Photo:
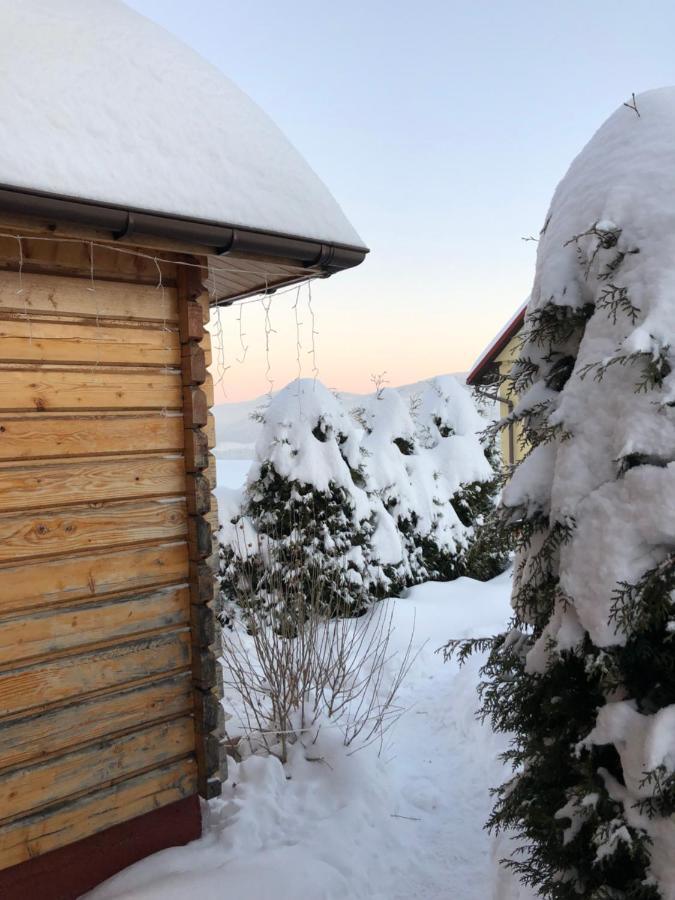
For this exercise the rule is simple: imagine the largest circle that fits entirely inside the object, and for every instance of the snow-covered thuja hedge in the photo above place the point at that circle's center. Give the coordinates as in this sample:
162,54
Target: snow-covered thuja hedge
585,678
391,450
306,519
456,474
428,469
357,507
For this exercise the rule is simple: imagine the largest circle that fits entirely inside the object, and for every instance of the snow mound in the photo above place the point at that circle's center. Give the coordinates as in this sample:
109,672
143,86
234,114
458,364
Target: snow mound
99,103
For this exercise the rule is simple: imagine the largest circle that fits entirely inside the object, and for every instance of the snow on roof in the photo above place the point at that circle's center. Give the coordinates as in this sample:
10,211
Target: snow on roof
623,179
497,344
99,103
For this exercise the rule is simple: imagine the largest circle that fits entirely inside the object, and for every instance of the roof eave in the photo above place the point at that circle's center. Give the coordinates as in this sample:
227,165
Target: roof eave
488,356
216,238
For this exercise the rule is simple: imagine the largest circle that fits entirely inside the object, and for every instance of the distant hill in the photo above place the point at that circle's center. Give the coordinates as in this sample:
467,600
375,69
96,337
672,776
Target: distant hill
236,432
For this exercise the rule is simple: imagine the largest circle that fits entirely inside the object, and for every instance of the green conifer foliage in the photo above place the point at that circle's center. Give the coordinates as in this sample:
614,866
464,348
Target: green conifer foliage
487,551
305,517
584,678
462,539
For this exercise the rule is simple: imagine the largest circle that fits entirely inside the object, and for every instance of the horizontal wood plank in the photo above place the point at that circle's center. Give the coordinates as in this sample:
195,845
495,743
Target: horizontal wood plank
31,738
97,766
86,480
42,832
25,340
59,680
38,435
65,295
97,387
64,628
95,526
74,578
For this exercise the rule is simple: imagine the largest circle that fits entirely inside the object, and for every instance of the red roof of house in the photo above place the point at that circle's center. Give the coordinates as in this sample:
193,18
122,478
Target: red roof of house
497,344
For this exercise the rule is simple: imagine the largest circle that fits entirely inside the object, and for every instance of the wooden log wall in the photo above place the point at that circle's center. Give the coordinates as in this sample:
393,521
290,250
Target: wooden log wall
108,681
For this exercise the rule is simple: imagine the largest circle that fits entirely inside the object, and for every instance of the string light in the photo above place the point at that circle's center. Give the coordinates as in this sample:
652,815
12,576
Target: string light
20,291
92,289
314,332
284,271
266,304
242,334
263,298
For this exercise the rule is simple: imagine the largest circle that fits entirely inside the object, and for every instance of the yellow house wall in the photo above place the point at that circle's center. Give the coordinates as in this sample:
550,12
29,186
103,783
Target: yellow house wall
511,438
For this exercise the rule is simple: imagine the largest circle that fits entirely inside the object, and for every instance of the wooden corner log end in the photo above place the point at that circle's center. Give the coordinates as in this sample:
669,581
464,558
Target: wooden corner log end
198,492
196,450
195,408
193,364
190,322
200,539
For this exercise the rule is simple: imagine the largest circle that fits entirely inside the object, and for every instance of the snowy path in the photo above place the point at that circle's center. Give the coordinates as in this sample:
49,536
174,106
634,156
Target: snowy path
445,760
334,829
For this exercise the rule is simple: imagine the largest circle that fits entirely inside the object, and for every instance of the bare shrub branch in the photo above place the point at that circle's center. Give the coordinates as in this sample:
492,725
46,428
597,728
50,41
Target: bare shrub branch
294,669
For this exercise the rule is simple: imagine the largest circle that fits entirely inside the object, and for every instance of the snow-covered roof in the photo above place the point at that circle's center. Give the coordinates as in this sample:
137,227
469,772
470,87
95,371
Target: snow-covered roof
100,104
497,344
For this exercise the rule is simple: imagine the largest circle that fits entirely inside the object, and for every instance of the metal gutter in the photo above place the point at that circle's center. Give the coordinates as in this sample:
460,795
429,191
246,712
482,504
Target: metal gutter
216,238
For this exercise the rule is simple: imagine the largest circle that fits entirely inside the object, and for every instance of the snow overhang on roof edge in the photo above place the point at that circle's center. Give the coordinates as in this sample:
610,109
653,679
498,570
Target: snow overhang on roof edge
216,238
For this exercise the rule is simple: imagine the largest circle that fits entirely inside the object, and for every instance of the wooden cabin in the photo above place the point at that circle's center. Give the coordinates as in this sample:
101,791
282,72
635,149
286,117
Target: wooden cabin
110,713
486,377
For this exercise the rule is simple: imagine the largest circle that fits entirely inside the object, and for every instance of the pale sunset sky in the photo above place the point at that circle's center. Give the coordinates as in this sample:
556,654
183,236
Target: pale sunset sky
442,128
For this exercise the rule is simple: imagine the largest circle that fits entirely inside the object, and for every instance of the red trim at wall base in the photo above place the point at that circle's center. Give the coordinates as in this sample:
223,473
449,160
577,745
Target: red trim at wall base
69,872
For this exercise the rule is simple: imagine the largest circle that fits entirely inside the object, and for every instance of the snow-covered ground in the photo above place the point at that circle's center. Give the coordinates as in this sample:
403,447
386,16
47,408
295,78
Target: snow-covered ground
404,824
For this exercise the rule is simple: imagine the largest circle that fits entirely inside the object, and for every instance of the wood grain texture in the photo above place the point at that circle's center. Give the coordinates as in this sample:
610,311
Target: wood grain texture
49,295
56,341
208,389
64,628
91,264
210,472
195,407
92,768
193,364
72,578
98,387
95,526
190,320
96,625
196,404
210,429
88,480
33,738
74,870
212,516
39,435
196,450
80,674
42,832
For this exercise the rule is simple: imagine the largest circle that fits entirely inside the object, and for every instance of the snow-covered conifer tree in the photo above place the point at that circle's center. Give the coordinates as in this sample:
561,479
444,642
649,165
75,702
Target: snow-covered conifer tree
453,472
305,512
585,678
392,465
